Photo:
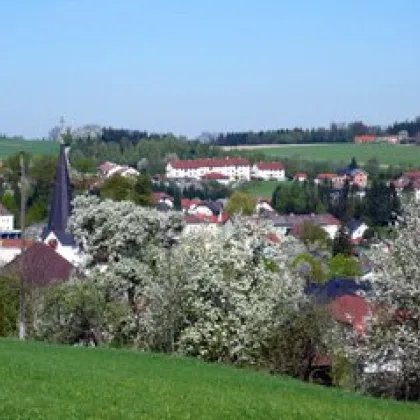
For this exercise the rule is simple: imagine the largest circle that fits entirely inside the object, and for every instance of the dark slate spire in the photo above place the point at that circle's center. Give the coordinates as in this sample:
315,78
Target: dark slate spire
60,207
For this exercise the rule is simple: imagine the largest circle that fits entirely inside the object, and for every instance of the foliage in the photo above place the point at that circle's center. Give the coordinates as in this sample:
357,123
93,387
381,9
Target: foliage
341,242
80,383
383,204
75,313
343,266
241,203
295,345
390,346
298,198
9,306
215,299
117,188
309,267
311,233
142,190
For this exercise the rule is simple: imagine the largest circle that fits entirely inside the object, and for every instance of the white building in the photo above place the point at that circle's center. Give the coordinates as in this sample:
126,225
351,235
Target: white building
233,168
108,169
7,220
268,171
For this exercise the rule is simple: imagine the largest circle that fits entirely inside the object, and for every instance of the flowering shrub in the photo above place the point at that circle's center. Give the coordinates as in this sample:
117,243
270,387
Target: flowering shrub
388,351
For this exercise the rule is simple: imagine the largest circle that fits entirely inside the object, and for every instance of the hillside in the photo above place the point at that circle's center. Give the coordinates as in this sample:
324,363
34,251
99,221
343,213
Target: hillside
10,147
52,382
384,153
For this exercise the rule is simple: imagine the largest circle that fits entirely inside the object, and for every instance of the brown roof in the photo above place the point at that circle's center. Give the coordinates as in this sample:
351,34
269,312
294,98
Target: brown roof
40,265
270,166
209,163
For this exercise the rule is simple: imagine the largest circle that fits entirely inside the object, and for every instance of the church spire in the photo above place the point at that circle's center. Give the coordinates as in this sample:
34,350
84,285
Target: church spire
60,207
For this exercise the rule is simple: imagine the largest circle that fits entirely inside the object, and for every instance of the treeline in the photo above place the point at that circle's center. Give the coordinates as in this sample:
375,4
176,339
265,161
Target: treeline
335,133
137,148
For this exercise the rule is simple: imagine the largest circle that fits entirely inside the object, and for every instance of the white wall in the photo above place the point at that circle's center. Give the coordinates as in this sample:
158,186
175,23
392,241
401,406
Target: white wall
8,254
279,175
71,254
6,223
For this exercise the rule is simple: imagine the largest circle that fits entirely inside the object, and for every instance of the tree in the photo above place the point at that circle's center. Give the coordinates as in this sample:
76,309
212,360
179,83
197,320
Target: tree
341,242
142,190
353,164
241,203
343,266
389,354
117,188
309,268
177,199
214,299
311,233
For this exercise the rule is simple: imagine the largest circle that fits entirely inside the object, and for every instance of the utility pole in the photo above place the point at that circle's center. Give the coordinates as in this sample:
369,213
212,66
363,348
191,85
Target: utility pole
22,300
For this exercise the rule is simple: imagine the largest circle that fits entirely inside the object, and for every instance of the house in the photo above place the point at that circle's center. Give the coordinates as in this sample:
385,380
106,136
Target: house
206,208
199,223
263,205
162,198
268,171
330,178
357,177
56,233
367,138
233,168
217,177
40,265
186,203
11,248
108,169
285,224
356,229
300,177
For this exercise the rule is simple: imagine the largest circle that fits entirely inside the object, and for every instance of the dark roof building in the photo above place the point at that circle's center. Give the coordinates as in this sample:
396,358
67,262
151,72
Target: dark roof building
60,207
40,266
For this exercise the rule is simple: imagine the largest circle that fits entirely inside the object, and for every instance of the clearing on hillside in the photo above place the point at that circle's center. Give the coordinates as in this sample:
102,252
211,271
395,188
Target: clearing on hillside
10,147
41,381
386,154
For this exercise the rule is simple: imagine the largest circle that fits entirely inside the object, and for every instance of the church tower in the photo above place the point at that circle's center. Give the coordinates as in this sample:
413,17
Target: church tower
56,233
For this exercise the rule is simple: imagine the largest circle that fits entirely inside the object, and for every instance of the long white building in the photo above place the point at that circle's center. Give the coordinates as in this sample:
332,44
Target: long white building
229,169
233,168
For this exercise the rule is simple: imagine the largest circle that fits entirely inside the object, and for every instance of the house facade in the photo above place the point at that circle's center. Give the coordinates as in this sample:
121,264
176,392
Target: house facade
268,171
232,168
285,224
7,220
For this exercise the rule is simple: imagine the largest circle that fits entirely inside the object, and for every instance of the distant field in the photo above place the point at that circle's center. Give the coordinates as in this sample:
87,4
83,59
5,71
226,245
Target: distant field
34,147
49,382
384,153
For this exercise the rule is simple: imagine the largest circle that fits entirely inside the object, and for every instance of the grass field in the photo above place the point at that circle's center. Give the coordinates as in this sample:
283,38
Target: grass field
261,188
52,382
10,147
385,154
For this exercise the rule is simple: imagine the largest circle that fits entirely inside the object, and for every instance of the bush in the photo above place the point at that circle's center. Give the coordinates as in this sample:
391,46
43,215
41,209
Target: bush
9,306
296,344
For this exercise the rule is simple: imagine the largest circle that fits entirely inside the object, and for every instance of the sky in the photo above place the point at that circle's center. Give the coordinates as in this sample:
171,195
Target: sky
188,66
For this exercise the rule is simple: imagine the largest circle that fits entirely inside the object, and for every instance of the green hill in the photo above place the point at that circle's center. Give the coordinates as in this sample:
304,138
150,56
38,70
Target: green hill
53,382
385,154
10,147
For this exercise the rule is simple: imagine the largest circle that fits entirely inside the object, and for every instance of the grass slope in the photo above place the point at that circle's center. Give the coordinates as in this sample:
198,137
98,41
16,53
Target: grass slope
10,147
261,188
385,154
53,382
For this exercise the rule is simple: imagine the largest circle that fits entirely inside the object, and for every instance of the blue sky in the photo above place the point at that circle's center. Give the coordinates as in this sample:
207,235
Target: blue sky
188,66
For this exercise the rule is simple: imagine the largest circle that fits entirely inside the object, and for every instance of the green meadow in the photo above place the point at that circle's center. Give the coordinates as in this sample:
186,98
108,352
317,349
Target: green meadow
50,382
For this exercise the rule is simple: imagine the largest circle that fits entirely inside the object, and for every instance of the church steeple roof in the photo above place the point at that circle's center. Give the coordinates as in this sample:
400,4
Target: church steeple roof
60,208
